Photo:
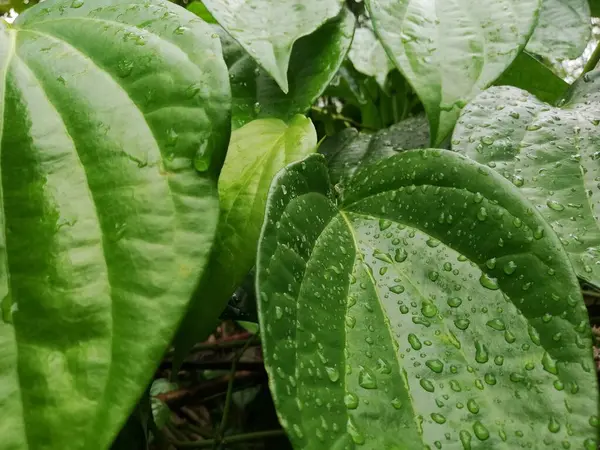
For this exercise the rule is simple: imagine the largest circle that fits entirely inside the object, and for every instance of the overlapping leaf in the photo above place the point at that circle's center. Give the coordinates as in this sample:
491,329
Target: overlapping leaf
267,29
451,50
107,105
314,62
256,153
431,306
563,30
369,57
550,153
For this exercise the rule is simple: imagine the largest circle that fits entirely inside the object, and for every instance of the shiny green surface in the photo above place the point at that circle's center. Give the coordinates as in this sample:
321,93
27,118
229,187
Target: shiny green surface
550,153
313,64
449,51
563,30
369,57
430,307
107,106
267,29
257,151
527,73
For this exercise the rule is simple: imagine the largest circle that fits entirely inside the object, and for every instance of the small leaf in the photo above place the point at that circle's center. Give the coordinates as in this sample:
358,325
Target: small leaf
563,30
451,51
314,62
369,57
550,153
527,73
107,106
348,151
257,151
413,369
267,29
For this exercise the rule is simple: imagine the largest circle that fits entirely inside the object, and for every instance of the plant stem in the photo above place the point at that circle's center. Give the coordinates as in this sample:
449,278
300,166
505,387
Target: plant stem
593,61
590,294
237,439
340,117
219,440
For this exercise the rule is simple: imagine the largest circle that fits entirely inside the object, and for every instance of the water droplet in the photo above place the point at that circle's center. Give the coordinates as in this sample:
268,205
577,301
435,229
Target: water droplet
438,418
534,335
481,353
357,437
553,425
554,205
481,431
454,302
549,364
433,275
400,255
76,4
472,406
397,289
499,360
482,214
435,365
509,337
396,403
510,268
298,431
378,254
514,115
496,324
590,444
384,224
488,282
465,439
455,386
428,309
366,379
427,385
490,379
414,342
351,401
333,374
462,324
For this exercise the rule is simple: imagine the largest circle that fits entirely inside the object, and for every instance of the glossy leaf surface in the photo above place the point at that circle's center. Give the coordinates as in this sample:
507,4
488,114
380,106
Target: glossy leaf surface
108,106
314,62
256,153
369,57
349,151
527,73
563,30
267,29
431,306
550,153
450,51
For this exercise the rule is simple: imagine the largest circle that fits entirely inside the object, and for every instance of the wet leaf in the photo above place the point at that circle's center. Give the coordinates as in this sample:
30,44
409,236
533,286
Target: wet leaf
314,62
257,151
369,57
107,224
267,29
527,73
369,349
551,153
451,51
563,30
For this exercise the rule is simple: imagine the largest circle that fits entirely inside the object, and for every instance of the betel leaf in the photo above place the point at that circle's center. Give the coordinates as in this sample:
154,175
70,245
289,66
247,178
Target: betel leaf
527,73
431,306
349,150
257,151
267,29
550,153
369,57
563,30
451,51
107,106
314,62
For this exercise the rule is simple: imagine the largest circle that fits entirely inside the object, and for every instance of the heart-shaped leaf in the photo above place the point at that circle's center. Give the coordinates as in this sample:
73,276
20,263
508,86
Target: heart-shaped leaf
369,57
431,306
267,29
450,51
257,151
108,105
526,72
314,62
563,30
550,153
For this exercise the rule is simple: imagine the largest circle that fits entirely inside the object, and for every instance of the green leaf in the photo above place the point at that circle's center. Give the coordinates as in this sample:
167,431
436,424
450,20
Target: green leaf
107,226
161,413
451,51
267,29
431,303
369,57
257,151
551,153
314,62
349,151
200,10
527,73
595,7
563,30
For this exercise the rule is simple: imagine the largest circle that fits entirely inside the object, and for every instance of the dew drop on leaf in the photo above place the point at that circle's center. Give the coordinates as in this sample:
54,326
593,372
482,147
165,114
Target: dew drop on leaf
427,385
481,431
351,401
435,365
366,379
496,324
472,406
438,418
414,342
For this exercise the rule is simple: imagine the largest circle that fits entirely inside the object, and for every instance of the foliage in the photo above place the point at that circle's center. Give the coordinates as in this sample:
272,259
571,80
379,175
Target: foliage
408,297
